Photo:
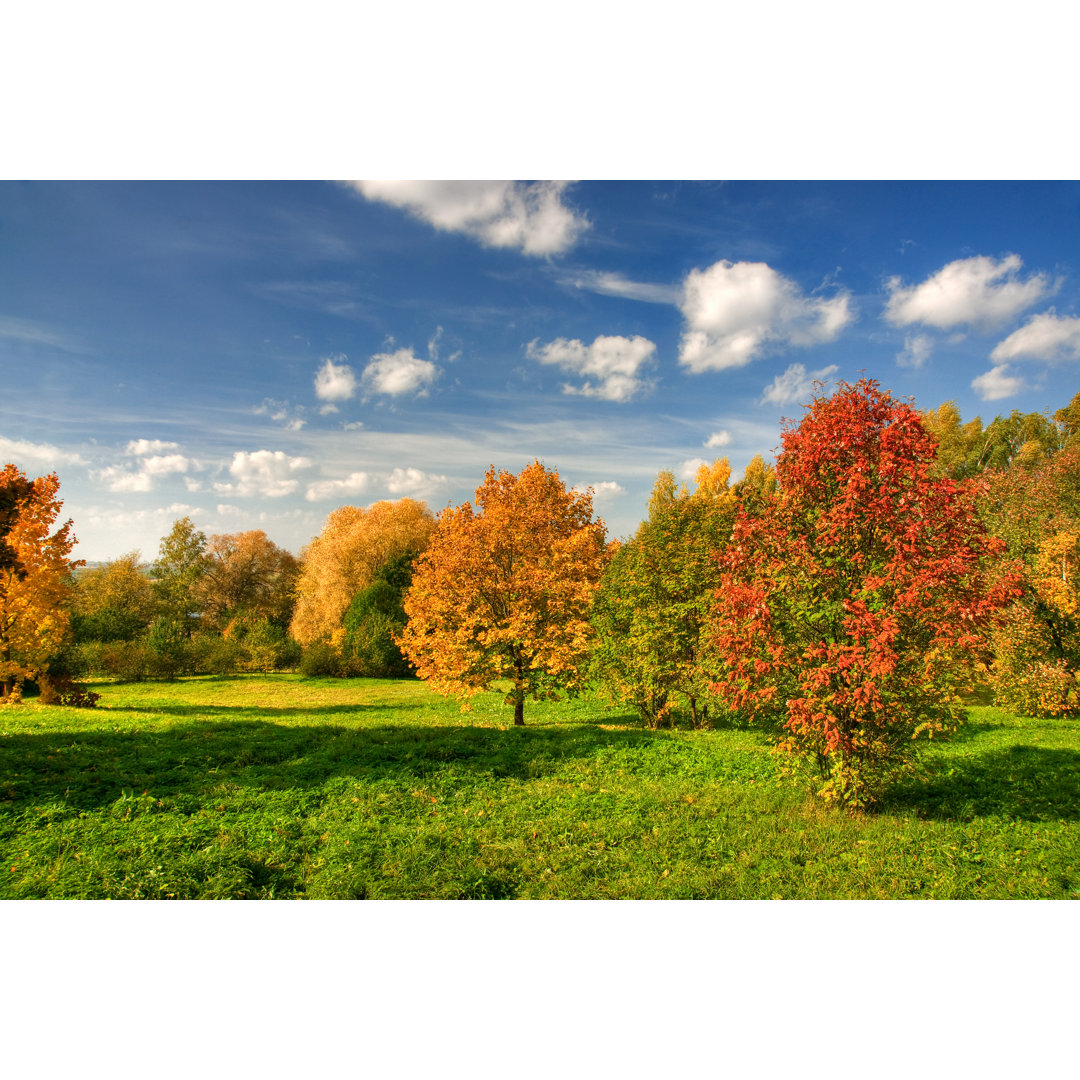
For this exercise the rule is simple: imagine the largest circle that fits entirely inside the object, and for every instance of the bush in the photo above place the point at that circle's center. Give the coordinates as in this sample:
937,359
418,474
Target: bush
62,690
321,658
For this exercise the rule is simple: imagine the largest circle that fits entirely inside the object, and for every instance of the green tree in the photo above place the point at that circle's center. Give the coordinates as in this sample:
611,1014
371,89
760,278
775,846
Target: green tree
651,609
180,565
113,602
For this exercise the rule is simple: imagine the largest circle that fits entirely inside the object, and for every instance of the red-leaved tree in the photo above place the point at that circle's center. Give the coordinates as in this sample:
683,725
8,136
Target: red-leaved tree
855,602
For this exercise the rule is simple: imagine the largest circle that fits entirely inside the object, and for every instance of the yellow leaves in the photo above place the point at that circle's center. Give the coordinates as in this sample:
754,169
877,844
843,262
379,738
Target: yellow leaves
343,559
1056,573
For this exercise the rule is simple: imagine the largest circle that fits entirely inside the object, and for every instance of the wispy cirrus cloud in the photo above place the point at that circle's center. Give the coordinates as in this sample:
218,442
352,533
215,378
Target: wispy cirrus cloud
528,216
608,283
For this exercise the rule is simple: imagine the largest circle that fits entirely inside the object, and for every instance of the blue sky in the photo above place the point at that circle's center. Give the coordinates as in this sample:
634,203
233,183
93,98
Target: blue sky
255,355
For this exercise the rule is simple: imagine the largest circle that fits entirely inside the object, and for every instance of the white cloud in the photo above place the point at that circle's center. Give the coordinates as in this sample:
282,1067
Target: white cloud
150,469
36,455
917,349
734,311
412,481
717,439
142,447
28,333
498,213
353,484
611,284
334,382
615,362
326,410
794,384
291,418
353,425
997,383
607,489
687,470
1044,337
263,472
979,292
399,372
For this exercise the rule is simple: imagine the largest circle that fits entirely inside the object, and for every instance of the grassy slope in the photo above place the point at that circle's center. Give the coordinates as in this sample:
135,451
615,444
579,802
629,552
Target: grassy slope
292,787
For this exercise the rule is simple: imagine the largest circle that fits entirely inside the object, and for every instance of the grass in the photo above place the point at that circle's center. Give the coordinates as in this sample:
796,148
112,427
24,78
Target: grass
287,787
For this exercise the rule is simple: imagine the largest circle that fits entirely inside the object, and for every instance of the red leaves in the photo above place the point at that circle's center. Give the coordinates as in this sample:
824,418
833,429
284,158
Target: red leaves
858,593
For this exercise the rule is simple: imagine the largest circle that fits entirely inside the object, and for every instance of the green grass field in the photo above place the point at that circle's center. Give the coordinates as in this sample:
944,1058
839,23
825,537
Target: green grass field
286,787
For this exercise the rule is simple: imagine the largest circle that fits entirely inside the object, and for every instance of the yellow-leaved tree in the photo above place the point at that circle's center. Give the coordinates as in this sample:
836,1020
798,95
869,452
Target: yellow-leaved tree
34,576
504,590
343,559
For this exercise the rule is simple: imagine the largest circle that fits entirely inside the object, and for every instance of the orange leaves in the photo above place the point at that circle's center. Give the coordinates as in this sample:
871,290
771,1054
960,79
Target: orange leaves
34,571
344,558
503,591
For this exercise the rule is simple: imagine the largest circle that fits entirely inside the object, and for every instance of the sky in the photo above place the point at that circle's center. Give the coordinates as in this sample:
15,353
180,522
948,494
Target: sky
255,355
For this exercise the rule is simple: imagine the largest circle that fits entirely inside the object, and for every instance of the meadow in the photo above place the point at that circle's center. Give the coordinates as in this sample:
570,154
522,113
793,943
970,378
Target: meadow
281,786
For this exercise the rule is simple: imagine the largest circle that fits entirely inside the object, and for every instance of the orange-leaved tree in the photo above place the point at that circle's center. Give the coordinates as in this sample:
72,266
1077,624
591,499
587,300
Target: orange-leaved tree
34,576
855,604
504,590
344,558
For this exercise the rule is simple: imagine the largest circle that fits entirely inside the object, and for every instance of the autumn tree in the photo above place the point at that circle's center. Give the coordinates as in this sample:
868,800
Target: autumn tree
651,609
1036,512
504,589
34,576
112,602
246,575
853,606
344,559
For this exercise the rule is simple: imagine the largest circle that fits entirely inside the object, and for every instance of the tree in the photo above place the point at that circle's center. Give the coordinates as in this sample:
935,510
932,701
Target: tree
653,602
376,620
503,591
113,602
246,575
34,576
180,564
1036,512
852,608
343,560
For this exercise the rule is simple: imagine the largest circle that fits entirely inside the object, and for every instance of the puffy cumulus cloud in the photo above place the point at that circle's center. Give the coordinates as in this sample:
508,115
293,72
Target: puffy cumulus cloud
606,490
142,447
145,477
794,384
334,381
997,383
30,455
353,484
400,372
499,213
271,473
1047,337
688,470
980,292
412,481
717,439
734,311
917,350
613,362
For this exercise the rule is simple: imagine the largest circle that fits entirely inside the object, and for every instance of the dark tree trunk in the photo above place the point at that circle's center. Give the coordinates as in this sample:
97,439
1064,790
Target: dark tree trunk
519,711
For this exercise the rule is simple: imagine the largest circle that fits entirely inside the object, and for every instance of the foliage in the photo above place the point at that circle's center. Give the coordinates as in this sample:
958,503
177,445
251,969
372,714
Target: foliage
344,559
63,690
34,576
504,591
246,575
852,605
180,564
1036,511
651,609
113,602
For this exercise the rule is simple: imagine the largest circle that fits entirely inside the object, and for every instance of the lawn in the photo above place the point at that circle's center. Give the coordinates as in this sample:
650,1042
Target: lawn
286,787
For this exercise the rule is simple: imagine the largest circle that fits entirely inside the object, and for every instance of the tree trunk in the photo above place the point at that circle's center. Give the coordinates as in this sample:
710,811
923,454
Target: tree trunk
519,710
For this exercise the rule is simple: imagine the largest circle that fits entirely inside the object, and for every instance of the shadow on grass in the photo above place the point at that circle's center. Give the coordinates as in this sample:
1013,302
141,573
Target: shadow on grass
1026,783
239,712
91,769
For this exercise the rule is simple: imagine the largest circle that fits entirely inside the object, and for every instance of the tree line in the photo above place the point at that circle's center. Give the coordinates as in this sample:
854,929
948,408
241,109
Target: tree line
850,596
